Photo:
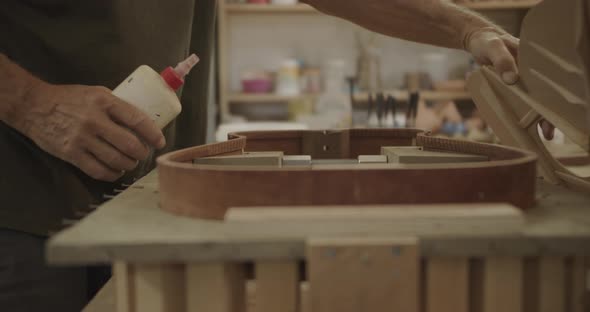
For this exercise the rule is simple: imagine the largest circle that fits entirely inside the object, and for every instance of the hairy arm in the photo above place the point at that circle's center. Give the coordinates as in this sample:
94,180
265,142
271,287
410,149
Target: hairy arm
436,22
14,89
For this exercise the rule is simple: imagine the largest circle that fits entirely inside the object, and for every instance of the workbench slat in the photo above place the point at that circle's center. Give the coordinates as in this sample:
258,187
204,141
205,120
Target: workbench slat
124,280
277,286
579,288
551,284
503,284
159,287
215,287
447,285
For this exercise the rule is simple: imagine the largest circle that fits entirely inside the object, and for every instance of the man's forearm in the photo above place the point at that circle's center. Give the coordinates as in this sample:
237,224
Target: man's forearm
436,22
15,88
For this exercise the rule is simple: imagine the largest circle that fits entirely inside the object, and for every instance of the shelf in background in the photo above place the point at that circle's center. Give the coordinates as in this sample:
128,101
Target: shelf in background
245,98
304,8
399,95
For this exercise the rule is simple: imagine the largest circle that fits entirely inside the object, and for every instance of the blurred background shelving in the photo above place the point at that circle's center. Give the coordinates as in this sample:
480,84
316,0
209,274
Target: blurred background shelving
258,39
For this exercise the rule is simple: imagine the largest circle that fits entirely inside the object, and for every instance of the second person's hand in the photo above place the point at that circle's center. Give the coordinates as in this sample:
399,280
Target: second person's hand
493,47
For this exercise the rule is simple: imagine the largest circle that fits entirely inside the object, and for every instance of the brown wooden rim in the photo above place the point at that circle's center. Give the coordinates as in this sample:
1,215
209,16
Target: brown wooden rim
205,191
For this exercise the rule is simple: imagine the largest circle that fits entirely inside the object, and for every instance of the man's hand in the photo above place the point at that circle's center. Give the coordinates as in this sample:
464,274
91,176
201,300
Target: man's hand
500,50
87,127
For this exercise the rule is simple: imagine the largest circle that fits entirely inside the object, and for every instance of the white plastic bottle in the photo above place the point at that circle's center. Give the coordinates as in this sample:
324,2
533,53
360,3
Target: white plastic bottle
333,106
155,94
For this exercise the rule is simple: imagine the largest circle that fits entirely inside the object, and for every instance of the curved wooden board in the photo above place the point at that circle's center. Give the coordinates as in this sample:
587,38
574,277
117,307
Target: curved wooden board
554,58
202,191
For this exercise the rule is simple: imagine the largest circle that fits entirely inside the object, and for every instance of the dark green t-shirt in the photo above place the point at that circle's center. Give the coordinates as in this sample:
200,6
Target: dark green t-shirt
94,42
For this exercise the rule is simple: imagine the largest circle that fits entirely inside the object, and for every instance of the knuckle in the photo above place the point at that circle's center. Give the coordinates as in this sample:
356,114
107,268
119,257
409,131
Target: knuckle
102,175
95,172
112,159
495,42
130,165
137,117
70,147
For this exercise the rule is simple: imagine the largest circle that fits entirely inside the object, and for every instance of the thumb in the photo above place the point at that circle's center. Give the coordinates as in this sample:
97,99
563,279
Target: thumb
503,61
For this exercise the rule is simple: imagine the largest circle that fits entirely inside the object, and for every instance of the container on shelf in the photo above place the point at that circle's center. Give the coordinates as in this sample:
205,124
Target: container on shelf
257,82
284,2
311,80
334,106
288,78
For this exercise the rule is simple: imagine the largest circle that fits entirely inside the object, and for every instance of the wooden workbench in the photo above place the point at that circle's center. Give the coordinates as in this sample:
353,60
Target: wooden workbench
131,229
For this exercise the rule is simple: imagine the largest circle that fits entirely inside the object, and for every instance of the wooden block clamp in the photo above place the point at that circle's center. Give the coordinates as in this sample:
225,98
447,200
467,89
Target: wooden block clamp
351,275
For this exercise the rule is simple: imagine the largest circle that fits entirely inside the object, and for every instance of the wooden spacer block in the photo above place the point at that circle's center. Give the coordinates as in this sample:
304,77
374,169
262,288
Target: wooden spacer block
351,275
297,160
372,159
277,286
413,156
249,159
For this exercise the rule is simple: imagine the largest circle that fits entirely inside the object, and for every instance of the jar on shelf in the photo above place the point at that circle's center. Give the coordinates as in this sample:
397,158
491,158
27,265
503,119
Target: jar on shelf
288,78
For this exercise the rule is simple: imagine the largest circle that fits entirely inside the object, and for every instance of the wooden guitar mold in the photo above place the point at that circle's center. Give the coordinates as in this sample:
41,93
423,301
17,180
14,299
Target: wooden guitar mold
554,64
207,191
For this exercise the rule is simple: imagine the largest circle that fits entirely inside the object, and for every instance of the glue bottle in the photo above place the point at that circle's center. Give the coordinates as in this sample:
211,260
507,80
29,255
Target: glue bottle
155,94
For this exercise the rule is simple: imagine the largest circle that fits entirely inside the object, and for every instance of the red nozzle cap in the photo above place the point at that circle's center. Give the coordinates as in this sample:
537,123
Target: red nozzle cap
171,78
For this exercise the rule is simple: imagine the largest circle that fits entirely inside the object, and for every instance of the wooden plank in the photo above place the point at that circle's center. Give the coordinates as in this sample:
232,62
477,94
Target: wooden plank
297,160
277,286
412,156
503,282
124,280
350,275
273,159
447,285
551,284
215,287
138,230
159,287
250,296
372,159
305,305
393,219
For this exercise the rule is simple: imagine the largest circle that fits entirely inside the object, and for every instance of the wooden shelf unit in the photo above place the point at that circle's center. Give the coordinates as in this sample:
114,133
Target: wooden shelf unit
399,95
227,10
